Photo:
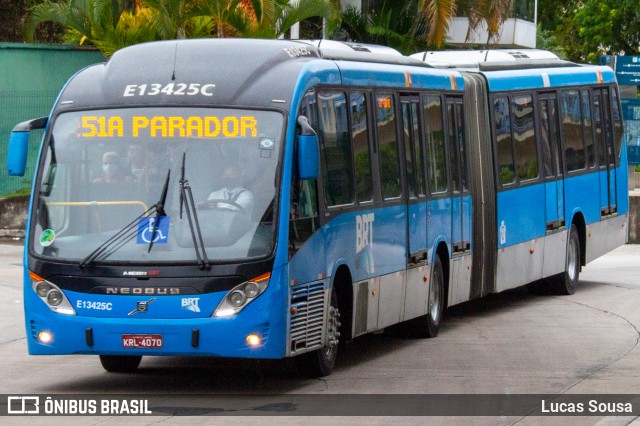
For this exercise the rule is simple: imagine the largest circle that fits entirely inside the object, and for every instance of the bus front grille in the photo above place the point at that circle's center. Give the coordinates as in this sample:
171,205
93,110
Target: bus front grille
307,317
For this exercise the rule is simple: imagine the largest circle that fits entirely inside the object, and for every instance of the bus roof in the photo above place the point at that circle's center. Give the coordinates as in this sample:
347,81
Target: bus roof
236,72
519,69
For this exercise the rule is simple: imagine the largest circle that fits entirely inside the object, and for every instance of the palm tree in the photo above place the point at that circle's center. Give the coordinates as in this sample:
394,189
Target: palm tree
492,13
395,26
438,15
107,24
408,24
273,18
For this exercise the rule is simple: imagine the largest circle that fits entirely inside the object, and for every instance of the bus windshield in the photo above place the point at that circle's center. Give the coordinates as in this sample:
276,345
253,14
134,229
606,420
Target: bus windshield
102,169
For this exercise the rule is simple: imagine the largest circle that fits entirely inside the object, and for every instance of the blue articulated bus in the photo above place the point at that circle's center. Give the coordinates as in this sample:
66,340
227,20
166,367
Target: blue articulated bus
269,199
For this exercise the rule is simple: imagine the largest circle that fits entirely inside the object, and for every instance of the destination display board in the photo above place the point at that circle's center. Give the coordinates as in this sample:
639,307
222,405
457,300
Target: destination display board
628,70
631,117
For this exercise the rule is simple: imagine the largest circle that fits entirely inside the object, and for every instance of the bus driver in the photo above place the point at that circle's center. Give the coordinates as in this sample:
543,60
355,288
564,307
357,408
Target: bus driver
232,195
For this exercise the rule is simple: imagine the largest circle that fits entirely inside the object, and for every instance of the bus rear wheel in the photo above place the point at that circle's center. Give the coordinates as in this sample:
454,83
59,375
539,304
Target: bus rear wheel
566,282
429,324
120,364
319,363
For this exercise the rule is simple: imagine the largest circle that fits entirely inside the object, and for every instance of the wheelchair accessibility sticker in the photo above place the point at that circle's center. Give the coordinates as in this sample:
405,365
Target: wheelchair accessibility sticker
146,226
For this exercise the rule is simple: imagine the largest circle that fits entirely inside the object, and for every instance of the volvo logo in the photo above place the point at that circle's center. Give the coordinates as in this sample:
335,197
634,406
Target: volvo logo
142,306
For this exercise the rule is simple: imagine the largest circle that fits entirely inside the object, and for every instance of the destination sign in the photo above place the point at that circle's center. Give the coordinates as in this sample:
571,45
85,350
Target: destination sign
171,126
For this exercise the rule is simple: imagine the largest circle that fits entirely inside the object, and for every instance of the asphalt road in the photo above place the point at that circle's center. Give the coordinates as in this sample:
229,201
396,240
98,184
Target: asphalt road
511,343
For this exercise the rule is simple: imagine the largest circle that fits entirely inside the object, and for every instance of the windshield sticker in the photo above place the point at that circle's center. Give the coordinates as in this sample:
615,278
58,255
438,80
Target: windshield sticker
146,227
47,237
93,126
266,143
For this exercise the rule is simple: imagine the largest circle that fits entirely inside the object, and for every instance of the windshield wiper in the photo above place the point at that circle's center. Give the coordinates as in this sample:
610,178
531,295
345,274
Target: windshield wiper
186,200
159,211
121,237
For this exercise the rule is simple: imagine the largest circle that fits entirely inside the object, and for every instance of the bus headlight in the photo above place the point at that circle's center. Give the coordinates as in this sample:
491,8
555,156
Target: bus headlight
237,298
42,288
54,298
241,295
51,295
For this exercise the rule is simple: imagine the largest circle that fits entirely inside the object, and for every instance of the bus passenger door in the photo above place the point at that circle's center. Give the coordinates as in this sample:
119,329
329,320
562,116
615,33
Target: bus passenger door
553,171
416,189
606,156
412,139
461,200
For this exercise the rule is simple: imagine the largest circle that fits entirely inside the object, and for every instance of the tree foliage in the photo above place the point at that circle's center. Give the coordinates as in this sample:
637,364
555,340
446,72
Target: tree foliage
113,24
410,25
587,29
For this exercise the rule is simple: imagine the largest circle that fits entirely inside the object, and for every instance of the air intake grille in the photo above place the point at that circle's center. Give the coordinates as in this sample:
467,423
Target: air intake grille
307,301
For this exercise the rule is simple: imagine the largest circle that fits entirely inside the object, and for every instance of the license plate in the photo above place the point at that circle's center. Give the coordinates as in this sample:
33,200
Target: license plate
141,341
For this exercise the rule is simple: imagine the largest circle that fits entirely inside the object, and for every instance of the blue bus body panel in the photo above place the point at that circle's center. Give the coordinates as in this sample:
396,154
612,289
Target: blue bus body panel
383,75
467,212
521,214
225,337
581,193
439,225
417,227
533,79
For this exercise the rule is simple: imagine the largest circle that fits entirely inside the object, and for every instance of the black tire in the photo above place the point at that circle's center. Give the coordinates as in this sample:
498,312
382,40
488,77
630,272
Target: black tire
120,364
566,283
427,326
320,362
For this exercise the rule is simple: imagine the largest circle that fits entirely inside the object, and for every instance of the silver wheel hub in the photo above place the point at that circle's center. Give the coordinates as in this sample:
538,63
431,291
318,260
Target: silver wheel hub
572,261
434,299
333,327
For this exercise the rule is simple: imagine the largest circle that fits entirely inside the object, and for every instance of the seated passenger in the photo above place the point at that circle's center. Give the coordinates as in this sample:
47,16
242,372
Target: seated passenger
112,169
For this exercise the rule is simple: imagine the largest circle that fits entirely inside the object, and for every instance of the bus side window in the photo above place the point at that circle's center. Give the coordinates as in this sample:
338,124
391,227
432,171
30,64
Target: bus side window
453,152
549,137
504,146
335,149
588,129
436,159
360,138
462,146
389,159
457,146
571,113
526,150
597,116
617,125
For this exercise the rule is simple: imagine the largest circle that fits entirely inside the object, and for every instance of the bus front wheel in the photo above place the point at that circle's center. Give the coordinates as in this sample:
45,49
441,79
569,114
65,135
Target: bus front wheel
120,364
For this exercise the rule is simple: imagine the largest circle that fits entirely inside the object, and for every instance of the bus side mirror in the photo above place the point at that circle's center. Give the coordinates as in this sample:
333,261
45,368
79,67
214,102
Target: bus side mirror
19,145
17,155
308,153
308,157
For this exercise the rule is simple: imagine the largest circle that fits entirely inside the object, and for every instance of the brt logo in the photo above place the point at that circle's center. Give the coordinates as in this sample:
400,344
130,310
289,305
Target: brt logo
364,231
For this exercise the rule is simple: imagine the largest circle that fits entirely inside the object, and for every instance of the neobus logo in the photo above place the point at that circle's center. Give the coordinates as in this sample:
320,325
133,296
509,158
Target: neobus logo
143,290
152,273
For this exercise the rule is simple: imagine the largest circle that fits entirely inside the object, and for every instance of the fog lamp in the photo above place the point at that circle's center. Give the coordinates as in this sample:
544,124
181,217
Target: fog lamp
254,340
45,337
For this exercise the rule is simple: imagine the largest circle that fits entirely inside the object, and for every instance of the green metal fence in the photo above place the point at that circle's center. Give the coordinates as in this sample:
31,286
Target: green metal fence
30,78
